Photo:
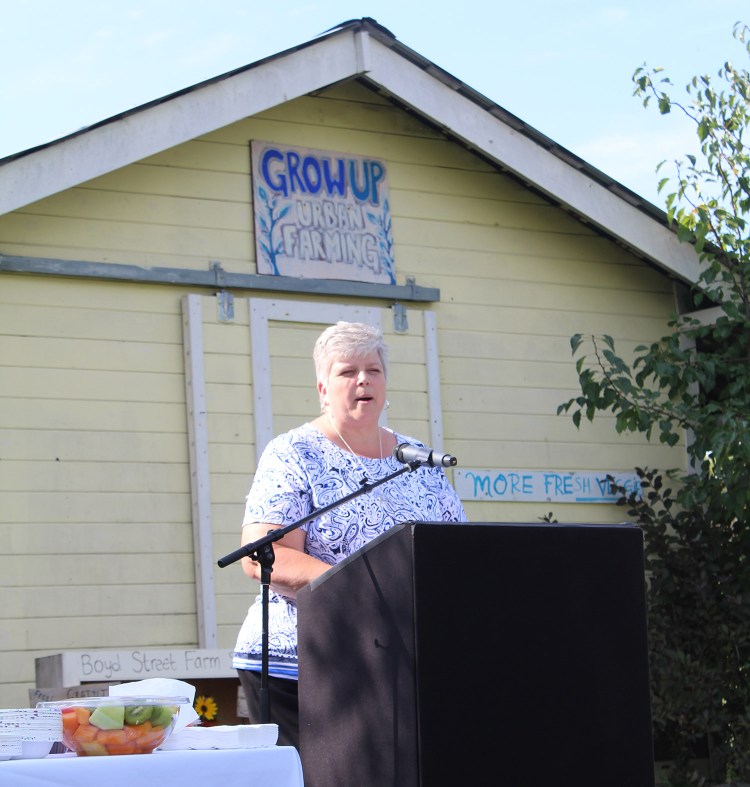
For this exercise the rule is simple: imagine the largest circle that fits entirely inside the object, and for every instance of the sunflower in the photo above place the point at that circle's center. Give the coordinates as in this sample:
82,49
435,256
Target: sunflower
206,708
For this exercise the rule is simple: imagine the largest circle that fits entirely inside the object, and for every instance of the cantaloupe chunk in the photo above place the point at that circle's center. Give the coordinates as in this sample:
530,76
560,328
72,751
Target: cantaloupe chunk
85,733
69,721
108,737
83,714
150,740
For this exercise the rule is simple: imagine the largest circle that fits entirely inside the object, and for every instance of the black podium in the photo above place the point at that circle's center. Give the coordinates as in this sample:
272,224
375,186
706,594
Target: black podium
502,654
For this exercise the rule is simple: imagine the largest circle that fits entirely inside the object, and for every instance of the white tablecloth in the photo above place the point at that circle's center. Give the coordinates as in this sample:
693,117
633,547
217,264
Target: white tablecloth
274,766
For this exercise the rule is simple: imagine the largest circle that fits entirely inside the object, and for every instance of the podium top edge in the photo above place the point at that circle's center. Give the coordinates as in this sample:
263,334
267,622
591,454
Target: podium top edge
413,526
552,525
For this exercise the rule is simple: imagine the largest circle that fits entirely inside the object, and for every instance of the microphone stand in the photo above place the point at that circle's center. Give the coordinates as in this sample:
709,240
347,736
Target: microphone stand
262,552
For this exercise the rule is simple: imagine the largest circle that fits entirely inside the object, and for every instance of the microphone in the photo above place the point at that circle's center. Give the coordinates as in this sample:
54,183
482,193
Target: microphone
413,454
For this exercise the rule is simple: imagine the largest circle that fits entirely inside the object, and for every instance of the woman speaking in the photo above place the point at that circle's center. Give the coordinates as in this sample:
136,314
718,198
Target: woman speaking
313,466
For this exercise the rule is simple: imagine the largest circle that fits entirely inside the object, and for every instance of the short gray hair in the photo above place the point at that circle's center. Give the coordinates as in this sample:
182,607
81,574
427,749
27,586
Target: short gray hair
345,341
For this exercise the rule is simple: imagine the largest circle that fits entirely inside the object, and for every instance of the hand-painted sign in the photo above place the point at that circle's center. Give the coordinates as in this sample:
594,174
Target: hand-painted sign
543,485
70,667
321,215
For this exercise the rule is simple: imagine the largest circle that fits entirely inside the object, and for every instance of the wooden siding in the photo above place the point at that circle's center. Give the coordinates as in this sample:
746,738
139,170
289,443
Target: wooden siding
94,473
95,513
295,400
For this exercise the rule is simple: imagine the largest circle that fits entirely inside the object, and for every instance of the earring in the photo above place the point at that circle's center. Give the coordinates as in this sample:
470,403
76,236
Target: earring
386,405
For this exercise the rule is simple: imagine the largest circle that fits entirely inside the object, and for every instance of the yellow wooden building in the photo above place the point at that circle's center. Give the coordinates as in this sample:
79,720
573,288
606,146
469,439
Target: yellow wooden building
145,359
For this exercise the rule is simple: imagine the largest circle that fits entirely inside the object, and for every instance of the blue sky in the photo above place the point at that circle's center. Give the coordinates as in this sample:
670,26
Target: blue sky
563,68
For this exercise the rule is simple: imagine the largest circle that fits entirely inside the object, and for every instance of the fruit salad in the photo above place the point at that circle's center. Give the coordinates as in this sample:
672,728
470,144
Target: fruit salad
117,725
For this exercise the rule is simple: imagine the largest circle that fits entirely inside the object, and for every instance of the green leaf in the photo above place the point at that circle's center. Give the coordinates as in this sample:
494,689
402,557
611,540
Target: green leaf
694,380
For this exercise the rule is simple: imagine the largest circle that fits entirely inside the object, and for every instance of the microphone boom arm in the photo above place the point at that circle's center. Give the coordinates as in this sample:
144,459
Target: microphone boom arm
253,549
261,550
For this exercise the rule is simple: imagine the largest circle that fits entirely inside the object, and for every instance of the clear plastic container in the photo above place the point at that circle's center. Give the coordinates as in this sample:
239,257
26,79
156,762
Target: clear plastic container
99,726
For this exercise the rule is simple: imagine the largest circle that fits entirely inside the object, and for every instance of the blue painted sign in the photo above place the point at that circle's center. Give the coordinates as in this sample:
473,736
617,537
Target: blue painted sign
321,215
551,486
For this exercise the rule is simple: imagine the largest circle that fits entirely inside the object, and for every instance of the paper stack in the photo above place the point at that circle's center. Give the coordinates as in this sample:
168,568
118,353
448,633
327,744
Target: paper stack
240,736
28,732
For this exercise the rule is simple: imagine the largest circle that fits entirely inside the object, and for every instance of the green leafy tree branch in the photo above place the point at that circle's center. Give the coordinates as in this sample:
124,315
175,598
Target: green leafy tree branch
692,387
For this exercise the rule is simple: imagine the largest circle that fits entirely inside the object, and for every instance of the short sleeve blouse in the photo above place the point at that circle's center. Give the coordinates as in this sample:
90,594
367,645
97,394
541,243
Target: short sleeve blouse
302,471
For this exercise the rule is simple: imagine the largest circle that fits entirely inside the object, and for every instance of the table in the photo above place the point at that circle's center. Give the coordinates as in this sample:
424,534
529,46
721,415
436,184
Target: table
272,766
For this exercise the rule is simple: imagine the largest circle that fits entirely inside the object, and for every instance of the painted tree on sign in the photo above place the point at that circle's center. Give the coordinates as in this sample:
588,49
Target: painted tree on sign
692,387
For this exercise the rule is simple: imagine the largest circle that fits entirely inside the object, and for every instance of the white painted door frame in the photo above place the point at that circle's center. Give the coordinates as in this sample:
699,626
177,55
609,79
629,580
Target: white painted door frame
261,312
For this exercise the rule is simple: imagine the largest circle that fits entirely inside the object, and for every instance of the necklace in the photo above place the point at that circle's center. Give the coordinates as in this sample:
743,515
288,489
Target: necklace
365,479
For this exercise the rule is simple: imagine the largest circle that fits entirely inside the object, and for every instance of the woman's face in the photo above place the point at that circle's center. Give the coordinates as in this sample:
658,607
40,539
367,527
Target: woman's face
355,390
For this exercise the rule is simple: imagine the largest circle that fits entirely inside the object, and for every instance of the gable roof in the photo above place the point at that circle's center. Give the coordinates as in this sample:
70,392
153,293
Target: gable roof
360,49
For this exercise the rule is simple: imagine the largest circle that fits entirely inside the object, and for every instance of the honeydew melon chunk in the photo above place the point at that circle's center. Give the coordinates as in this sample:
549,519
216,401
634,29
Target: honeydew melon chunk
108,717
94,748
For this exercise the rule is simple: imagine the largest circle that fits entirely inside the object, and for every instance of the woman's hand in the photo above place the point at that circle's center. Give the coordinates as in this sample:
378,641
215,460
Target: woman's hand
292,568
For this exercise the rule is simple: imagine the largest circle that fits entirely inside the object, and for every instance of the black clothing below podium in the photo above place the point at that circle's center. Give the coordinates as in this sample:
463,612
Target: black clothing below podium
283,696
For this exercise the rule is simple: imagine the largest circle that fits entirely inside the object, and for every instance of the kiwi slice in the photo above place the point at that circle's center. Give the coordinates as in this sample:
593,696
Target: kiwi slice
162,715
137,714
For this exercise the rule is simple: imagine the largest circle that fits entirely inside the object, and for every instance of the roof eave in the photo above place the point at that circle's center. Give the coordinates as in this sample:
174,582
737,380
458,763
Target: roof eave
534,159
360,48
154,127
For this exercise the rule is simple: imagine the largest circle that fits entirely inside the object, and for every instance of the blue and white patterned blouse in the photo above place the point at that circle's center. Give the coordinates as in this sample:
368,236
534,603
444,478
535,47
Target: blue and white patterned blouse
303,471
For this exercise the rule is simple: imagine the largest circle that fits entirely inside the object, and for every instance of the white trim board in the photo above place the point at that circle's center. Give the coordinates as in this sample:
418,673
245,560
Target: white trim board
200,484
262,311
